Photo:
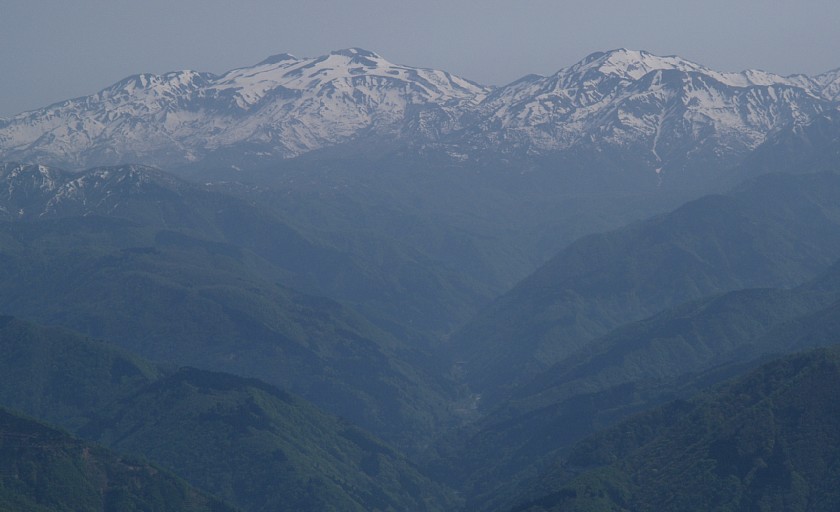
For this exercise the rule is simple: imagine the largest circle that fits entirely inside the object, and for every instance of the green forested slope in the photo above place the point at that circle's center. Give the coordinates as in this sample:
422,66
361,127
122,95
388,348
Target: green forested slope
257,446
637,366
173,298
777,230
766,441
60,377
261,448
46,470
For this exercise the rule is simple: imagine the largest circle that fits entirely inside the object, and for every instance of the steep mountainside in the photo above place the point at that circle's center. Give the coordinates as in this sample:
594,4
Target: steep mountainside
357,275
58,376
239,438
635,367
811,147
767,441
262,449
775,231
45,470
175,273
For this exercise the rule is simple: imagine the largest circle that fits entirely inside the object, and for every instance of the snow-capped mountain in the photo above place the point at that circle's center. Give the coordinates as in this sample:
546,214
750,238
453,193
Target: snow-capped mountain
662,109
655,112
29,191
283,106
829,84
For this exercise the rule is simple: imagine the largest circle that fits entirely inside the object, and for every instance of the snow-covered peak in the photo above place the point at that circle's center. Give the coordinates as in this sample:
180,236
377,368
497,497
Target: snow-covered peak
148,81
596,78
605,76
285,106
664,108
628,64
829,84
632,65
756,77
149,87
14,174
24,188
274,59
341,69
31,191
353,53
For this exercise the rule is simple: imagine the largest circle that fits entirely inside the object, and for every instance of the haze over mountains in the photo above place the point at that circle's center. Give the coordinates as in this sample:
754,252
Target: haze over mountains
339,283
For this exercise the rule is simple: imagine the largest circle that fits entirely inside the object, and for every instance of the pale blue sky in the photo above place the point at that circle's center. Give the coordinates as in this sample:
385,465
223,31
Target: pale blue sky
51,50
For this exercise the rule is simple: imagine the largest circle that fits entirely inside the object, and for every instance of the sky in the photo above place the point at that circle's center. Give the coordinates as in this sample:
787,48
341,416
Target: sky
52,50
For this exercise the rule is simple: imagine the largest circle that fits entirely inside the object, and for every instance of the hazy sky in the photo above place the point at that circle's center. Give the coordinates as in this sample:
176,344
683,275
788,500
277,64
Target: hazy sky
51,50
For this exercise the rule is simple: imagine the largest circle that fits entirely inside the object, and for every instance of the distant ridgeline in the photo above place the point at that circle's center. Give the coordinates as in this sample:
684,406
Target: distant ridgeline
631,114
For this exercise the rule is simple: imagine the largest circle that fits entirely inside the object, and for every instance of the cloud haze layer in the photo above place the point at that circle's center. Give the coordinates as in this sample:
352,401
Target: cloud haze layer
54,50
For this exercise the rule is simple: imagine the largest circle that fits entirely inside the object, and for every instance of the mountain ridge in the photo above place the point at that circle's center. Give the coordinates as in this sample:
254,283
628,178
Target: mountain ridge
655,112
188,112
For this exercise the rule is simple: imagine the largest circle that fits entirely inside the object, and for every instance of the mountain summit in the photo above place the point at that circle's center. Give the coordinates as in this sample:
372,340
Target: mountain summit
656,112
284,106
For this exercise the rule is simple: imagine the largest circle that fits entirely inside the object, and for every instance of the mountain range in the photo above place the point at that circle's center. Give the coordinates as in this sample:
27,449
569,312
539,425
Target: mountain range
339,283
653,114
